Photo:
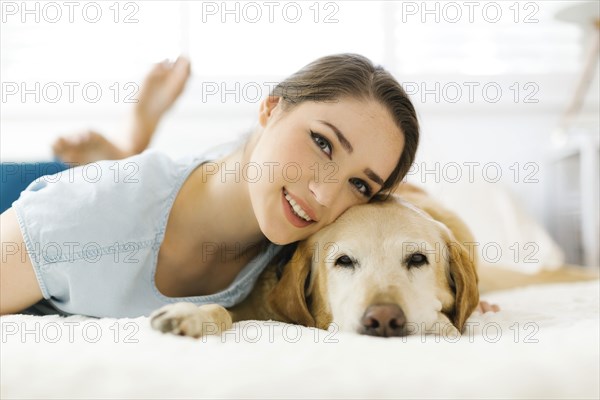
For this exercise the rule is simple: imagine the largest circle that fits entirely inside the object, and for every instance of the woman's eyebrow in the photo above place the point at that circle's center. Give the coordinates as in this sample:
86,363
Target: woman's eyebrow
373,176
349,149
341,138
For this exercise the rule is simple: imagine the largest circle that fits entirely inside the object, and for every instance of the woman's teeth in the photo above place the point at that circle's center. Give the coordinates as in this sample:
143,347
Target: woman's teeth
297,209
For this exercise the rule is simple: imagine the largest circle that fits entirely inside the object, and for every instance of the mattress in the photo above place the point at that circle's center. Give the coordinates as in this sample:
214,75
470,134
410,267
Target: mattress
542,344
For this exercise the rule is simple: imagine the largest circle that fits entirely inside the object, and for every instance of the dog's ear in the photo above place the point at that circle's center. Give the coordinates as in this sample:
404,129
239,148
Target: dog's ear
288,297
463,280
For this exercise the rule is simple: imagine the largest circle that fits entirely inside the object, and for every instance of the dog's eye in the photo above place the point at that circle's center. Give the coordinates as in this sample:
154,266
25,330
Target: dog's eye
416,260
344,261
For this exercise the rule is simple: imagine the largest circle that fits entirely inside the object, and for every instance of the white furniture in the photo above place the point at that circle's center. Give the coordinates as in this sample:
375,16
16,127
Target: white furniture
574,163
573,197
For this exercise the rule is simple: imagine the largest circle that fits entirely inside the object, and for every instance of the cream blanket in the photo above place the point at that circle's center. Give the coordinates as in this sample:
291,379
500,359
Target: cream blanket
543,344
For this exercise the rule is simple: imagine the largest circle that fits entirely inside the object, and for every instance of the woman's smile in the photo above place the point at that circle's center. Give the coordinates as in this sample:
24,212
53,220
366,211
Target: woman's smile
296,214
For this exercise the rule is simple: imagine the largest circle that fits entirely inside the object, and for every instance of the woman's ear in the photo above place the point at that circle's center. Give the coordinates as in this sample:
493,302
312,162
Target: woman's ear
266,109
288,297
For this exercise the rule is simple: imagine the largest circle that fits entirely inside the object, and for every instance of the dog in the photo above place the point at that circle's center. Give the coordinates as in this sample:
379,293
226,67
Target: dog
397,266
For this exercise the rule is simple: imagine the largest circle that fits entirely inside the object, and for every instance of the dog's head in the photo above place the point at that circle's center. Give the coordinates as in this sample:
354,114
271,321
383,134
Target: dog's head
385,269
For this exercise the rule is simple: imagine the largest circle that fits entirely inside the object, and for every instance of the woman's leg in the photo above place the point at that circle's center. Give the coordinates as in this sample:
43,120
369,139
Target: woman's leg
19,287
161,87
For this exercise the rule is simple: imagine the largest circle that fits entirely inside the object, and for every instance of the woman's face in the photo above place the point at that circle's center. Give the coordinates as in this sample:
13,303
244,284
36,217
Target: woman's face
325,157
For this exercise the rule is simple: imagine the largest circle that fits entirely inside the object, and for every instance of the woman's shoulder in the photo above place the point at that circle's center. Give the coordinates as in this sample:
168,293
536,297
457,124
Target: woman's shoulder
123,199
138,187
148,170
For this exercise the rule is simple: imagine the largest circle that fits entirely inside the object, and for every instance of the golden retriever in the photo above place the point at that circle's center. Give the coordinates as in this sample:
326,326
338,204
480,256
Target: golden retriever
393,267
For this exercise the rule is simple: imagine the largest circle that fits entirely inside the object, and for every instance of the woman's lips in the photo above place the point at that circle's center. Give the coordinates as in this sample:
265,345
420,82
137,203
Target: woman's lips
305,207
291,215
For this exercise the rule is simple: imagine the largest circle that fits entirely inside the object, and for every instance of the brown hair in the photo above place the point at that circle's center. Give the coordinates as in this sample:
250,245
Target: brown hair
349,75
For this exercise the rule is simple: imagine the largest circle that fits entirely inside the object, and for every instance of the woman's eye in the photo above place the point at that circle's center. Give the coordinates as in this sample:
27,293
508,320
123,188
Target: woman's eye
325,146
321,142
416,260
344,261
361,186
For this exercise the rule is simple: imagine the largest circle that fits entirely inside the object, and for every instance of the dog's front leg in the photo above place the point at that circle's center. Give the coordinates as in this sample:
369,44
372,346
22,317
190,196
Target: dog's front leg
188,319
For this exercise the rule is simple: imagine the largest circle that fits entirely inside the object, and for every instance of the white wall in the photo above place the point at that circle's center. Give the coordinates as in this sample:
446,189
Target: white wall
546,55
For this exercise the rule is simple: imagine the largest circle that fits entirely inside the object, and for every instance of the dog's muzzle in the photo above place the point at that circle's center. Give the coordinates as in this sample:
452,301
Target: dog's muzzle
384,320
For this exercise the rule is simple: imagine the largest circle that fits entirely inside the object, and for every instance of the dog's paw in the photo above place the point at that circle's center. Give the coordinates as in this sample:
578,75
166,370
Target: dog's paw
188,319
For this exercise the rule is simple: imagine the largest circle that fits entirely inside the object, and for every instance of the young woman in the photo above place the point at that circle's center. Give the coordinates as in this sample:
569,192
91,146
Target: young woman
133,235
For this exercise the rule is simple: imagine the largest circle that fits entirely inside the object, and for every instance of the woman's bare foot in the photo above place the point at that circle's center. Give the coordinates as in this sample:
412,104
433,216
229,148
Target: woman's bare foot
85,148
161,87
484,307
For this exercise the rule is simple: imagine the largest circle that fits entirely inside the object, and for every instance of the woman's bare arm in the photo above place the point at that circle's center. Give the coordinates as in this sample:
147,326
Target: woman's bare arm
19,288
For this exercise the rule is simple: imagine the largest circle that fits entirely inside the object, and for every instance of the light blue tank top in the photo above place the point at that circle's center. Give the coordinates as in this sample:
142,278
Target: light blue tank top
93,234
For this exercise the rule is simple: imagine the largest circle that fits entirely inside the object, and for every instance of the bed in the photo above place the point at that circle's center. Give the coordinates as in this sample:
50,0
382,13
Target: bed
543,344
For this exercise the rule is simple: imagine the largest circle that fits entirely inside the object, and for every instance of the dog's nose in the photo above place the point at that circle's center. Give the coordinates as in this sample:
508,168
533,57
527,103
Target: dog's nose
383,320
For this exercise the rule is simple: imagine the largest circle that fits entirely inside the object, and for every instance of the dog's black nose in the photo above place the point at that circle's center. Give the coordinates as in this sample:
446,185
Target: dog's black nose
383,320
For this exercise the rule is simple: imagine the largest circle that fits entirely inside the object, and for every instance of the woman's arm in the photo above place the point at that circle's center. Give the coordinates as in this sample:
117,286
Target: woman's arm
19,288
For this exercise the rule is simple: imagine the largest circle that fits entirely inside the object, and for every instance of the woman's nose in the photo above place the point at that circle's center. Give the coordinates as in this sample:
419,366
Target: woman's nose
324,192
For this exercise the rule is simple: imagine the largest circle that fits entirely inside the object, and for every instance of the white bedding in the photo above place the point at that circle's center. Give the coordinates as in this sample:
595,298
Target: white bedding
563,363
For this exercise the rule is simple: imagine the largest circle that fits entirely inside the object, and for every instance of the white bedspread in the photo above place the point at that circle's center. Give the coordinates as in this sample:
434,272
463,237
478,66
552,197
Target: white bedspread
543,344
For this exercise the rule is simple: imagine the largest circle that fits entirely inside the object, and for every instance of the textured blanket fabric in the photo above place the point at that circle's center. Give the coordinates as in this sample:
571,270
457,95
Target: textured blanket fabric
543,344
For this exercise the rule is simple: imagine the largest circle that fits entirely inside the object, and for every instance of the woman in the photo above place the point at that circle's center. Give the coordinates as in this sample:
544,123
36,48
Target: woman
202,229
